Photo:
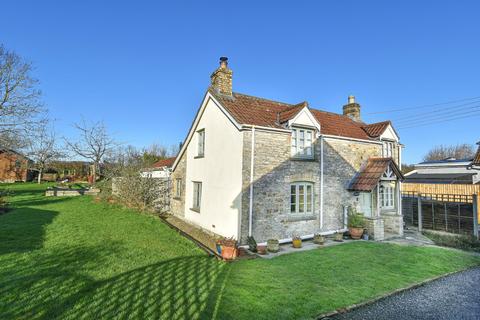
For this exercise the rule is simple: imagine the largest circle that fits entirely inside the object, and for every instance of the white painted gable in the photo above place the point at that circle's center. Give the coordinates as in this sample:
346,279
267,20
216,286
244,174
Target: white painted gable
389,134
305,118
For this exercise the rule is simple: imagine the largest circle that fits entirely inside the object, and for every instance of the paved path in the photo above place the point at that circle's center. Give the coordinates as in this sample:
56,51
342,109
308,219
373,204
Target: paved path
454,297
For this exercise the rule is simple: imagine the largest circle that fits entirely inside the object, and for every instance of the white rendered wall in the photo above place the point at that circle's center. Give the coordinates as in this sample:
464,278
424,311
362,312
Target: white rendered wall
220,171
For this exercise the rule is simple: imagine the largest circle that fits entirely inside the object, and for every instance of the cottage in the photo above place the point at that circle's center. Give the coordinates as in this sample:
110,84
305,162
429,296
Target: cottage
160,169
251,166
14,166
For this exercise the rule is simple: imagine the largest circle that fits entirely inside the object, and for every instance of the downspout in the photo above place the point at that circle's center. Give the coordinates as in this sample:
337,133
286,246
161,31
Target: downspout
321,182
250,209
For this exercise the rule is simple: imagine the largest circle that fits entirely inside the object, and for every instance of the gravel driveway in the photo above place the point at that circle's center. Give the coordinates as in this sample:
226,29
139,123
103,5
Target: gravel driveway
454,297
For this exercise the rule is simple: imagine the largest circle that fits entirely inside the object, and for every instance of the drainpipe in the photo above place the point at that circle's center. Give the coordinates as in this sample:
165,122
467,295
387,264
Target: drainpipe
321,182
250,210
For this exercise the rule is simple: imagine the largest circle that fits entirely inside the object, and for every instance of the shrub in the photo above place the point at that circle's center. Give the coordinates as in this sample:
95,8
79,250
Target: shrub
463,242
252,244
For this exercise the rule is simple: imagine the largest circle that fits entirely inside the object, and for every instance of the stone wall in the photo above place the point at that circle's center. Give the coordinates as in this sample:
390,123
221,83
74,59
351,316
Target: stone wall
274,171
343,159
177,205
393,223
375,228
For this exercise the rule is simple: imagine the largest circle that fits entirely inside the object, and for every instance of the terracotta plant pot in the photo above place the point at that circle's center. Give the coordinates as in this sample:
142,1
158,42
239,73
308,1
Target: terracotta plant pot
356,233
273,245
297,243
229,253
261,249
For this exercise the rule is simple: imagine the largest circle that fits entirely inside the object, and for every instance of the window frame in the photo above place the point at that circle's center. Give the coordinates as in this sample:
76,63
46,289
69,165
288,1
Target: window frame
302,143
386,196
178,187
388,147
197,196
200,143
302,198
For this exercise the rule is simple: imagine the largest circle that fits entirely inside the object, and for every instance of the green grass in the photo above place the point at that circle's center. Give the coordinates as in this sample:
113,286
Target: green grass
70,258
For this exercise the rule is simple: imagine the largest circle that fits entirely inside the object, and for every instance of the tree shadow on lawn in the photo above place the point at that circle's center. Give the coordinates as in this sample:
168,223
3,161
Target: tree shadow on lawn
179,288
23,229
30,283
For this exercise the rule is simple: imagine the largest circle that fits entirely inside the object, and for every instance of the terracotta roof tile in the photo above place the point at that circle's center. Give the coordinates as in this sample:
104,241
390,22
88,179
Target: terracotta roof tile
267,113
168,162
368,177
376,129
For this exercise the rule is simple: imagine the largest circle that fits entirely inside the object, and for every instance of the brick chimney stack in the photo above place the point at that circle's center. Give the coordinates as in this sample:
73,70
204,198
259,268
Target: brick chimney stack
352,109
221,79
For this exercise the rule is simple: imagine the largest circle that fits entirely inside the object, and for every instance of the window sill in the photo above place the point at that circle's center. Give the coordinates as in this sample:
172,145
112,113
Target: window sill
299,217
303,159
197,210
199,157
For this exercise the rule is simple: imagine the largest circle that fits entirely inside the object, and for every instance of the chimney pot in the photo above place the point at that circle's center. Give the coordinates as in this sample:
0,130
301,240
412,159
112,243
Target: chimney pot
221,79
352,109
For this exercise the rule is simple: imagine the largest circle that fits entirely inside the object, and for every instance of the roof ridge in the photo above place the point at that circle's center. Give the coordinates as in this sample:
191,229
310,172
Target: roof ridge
265,99
380,122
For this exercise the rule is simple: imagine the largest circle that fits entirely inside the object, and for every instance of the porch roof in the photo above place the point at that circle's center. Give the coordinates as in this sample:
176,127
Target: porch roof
370,175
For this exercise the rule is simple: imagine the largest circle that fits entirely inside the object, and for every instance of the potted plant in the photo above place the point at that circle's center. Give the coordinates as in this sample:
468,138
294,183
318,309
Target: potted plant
262,249
338,237
356,224
318,239
273,245
296,242
252,244
229,248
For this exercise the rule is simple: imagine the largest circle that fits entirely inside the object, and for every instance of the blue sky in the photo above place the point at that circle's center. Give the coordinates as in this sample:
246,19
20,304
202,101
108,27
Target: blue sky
143,67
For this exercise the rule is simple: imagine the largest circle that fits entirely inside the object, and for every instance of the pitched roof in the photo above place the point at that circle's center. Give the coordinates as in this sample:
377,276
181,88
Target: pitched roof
370,175
376,129
167,162
251,110
444,178
476,160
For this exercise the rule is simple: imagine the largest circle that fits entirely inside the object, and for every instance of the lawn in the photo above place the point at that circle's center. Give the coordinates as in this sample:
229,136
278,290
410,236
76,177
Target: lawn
71,258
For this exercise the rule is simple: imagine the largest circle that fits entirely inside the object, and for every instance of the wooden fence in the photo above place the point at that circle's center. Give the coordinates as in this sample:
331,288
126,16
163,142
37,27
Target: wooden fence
433,188
444,189
444,212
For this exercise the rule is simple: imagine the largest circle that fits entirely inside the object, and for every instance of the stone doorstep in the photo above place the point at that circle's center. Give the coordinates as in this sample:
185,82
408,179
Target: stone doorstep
286,248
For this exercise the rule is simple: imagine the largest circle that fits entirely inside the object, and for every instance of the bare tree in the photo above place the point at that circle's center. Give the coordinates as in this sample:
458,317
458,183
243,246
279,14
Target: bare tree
21,111
43,150
459,151
93,144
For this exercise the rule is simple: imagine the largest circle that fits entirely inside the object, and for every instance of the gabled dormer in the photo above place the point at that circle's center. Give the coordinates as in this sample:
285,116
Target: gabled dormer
305,129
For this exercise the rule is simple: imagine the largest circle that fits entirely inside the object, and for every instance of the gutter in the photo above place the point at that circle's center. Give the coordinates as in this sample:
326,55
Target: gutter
252,158
321,182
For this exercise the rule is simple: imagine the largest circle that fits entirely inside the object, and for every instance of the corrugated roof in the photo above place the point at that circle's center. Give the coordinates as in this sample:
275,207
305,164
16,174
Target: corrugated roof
256,111
448,178
369,176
